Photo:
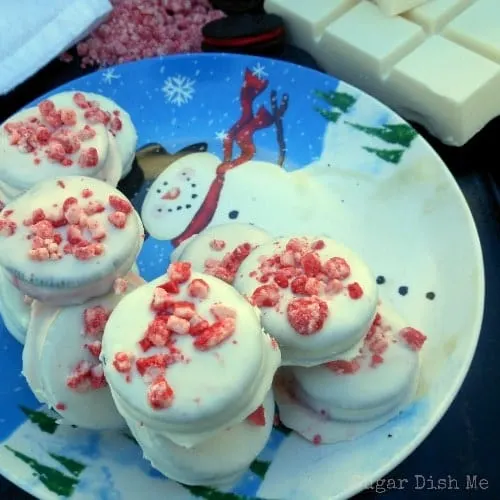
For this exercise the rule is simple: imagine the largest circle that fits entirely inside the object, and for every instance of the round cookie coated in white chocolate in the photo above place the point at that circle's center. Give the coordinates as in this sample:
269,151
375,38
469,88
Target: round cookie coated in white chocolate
122,128
218,462
9,193
67,261
24,165
317,298
211,250
112,171
209,384
357,392
15,308
61,360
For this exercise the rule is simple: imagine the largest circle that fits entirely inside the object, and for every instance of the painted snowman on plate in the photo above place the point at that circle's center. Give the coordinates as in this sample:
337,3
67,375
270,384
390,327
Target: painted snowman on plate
201,189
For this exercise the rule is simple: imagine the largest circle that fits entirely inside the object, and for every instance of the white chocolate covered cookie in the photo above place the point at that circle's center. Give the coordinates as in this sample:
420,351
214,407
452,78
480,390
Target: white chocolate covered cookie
45,142
15,308
68,134
66,240
218,462
359,390
61,358
98,108
220,250
192,358
317,298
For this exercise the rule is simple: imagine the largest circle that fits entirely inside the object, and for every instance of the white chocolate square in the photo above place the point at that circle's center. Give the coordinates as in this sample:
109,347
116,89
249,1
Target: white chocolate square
396,7
434,15
366,41
478,29
451,89
307,19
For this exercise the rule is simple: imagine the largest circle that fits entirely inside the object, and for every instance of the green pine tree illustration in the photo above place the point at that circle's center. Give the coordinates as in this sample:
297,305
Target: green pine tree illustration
331,116
53,479
338,102
388,155
72,466
45,422
213,494
400,134
259,468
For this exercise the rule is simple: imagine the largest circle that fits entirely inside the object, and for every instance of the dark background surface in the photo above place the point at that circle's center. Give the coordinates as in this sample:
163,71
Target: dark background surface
466,441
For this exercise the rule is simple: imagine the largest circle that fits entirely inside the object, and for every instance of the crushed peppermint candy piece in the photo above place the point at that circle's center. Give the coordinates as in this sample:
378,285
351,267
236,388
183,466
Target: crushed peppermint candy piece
199,289
257,417
307,315
160,394
153,28
215,334
94,320
413,338
123,362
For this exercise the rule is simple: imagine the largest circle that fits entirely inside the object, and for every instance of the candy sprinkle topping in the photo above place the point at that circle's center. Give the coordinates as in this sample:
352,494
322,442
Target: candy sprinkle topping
174,318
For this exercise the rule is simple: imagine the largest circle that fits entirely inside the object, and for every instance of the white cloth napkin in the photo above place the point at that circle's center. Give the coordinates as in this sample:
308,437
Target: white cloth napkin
33,32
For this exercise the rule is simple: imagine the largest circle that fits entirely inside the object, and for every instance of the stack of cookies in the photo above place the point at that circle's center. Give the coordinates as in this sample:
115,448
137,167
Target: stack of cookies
68,246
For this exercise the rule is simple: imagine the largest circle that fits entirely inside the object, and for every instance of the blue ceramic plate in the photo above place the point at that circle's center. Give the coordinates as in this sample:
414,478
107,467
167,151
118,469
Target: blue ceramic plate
412,226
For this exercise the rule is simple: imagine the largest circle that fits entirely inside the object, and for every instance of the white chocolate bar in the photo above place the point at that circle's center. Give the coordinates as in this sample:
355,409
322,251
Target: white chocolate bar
437,65
396,7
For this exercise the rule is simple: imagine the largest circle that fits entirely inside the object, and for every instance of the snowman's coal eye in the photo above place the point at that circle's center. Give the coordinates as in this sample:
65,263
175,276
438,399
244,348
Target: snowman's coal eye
158,190
165,183
233,214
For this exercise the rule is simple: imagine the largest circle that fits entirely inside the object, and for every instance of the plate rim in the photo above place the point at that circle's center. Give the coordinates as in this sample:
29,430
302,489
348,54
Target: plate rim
438,410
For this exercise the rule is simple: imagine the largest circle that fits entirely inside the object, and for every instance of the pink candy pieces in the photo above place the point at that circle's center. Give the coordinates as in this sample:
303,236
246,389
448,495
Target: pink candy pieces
137,29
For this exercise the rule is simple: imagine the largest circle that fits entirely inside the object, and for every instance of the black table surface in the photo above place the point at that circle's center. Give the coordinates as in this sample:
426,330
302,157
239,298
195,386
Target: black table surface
464,444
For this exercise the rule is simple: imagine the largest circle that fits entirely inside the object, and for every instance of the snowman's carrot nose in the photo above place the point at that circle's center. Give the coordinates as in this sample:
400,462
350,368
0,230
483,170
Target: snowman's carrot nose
171,194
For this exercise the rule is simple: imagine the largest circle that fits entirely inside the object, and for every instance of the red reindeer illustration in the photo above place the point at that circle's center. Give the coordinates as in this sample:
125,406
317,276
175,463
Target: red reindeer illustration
242,133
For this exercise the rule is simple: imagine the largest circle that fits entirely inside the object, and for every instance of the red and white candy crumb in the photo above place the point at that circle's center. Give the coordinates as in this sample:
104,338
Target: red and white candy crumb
88,375
84,233
137,29
217,245
257,417
300,268
120,286
94,114
8,227
55,135
58,136
413,338
174,318
375,343
317,439
226,268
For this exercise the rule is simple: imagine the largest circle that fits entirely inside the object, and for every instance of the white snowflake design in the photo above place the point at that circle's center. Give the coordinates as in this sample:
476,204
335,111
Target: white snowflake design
259,71
221,136
109,75
178,89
